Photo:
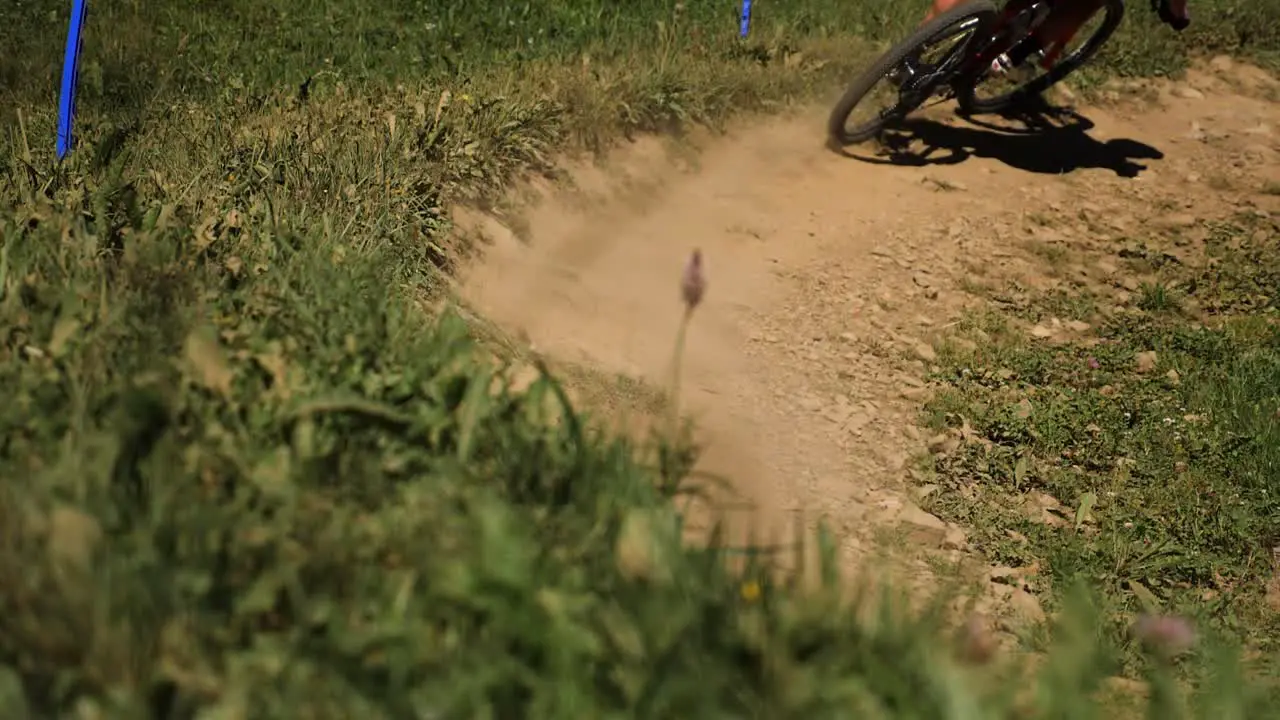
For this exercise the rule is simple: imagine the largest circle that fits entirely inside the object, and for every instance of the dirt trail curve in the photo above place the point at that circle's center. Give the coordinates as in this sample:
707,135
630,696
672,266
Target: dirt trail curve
829,277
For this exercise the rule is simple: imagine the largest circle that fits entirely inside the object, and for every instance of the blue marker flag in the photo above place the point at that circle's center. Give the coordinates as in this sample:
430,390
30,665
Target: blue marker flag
70,72
746,18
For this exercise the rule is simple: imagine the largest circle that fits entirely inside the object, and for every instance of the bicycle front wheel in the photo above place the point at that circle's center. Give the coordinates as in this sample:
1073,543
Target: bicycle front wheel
951,32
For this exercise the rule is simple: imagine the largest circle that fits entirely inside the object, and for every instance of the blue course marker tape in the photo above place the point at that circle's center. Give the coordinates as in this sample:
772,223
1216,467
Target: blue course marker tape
746,18
70,72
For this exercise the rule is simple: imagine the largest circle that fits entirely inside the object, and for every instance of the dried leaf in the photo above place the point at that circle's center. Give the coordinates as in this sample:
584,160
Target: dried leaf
208,363
639,552
273,361
63,331
1146,598
1020,471
13,697
1082,511
262,595
73,537
273,474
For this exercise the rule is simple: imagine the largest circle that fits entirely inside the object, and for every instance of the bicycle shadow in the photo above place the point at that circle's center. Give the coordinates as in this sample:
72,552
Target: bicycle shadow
1039,138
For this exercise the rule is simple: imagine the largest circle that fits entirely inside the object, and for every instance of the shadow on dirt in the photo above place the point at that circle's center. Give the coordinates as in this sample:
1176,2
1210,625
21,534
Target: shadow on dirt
1039,139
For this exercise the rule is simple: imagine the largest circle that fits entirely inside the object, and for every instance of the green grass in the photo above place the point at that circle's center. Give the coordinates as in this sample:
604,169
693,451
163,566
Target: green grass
245,475
1166,476
138,55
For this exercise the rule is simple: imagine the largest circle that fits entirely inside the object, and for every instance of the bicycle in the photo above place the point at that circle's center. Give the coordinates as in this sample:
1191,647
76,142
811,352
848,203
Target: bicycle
981,34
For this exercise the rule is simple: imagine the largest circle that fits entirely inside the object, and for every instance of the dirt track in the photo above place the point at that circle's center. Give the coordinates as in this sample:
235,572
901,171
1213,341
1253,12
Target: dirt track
830,277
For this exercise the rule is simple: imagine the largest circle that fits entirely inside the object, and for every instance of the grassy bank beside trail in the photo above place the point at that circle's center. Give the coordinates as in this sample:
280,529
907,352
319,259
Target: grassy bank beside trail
138,56
244,475
1130,436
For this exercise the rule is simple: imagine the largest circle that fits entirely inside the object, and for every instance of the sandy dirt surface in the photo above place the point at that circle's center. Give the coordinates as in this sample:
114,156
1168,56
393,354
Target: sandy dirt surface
831,278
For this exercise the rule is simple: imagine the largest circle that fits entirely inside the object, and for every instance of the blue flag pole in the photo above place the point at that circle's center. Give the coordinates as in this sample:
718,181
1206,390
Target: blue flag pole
70,72
746,18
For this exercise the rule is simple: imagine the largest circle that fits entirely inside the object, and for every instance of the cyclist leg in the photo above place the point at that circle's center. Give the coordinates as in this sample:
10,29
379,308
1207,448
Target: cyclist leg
939,7
1062,25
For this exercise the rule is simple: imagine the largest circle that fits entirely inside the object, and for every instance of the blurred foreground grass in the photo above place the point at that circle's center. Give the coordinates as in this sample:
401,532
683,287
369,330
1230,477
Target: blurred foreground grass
246,475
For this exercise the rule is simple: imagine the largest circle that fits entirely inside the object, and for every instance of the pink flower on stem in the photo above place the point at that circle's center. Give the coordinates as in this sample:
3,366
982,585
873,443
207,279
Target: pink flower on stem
693,283
1166,635
977,644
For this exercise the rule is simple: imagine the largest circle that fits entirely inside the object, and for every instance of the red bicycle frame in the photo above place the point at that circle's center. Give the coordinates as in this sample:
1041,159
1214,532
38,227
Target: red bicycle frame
1011,10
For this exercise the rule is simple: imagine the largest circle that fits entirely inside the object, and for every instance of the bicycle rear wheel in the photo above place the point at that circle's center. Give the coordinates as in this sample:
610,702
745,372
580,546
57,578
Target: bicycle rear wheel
967,96
957,24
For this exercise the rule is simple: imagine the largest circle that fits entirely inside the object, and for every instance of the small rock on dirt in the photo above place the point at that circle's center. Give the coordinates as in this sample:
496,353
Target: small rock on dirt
1186,92
926,490
1003,575
1024,409
954,539
1179,220
924,351
1040,507
1026,606
1041,332
1273,589
1077,326
915,394
1145,362
1045,500
856,422
1222,64
943,444
924,528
